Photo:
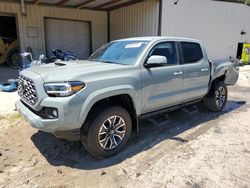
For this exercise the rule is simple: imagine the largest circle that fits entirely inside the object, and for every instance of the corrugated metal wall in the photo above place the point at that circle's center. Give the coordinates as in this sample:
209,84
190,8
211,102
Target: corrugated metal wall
217,24
140,19
35,18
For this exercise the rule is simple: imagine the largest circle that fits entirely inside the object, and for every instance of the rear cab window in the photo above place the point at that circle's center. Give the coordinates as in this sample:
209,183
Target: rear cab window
191,52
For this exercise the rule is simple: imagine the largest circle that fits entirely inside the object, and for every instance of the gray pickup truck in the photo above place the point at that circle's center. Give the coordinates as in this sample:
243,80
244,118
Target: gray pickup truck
101,100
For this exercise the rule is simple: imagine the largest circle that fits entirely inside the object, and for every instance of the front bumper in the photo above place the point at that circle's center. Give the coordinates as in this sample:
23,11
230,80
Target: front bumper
59,127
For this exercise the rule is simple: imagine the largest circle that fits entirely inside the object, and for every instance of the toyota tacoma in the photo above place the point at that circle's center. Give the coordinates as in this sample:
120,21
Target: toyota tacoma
100,101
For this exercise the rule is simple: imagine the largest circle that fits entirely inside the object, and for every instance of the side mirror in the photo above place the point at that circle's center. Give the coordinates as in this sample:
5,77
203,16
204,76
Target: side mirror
156,61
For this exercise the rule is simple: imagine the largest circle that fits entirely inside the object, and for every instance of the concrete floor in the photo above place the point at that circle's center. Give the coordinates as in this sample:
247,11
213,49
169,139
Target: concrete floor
7,100
7,73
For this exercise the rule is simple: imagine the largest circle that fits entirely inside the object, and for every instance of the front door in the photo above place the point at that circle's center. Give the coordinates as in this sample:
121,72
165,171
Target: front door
162,86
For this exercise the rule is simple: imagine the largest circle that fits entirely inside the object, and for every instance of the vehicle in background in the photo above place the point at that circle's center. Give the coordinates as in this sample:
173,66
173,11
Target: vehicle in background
9,52
101,100
62,55
245,57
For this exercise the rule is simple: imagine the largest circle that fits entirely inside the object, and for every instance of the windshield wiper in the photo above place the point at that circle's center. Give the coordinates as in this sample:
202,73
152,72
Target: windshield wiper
103,61
108,62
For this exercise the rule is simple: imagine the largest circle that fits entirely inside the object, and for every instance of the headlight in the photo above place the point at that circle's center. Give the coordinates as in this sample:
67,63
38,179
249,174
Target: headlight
63,89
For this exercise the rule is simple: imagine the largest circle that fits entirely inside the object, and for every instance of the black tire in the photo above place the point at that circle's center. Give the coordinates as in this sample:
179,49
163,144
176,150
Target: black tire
93,133
14,58
215,102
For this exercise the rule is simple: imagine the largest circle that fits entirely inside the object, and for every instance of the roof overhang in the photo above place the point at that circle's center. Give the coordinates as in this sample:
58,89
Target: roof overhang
102,5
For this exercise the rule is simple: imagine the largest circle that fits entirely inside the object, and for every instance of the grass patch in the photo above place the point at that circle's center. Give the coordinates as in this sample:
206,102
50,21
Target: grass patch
2,117
14,116
11,117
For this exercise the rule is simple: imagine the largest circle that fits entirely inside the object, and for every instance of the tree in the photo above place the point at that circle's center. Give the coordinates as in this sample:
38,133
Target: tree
247,2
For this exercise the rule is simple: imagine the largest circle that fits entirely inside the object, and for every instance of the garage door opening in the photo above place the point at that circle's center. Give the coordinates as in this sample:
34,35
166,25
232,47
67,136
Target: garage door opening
68,35
9,48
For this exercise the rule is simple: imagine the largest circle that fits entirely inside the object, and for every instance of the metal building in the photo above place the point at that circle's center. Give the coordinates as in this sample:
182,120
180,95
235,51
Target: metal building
220,25
83,26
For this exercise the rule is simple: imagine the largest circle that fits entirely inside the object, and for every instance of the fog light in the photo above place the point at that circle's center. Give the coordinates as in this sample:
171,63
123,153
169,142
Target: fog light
54,113
50,113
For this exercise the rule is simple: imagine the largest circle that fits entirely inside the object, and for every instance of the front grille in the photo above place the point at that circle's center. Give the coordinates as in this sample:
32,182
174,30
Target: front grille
26,90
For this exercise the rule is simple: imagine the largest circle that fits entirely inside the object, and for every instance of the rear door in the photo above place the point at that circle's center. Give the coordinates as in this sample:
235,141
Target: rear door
162,86
196,71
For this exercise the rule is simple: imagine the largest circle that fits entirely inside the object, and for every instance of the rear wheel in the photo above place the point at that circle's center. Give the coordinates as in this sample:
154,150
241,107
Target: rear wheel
108,132
217,97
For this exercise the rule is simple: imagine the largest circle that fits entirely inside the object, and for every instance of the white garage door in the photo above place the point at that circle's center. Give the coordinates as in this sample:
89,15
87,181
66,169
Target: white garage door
68,35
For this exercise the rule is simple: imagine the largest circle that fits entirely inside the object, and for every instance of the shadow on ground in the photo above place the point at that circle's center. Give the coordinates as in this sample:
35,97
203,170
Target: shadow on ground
72,154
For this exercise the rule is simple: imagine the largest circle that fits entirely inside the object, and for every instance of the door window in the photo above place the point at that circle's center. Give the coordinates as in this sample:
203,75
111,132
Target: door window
166,49
191,52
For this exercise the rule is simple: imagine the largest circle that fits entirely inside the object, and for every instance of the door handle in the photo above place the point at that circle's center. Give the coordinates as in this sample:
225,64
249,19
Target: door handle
177,73
204,70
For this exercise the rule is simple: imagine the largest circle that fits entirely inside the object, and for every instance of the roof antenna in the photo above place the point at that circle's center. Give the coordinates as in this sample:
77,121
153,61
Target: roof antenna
176,2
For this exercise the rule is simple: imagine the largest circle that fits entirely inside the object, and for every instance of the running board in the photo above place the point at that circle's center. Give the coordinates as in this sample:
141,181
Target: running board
165,110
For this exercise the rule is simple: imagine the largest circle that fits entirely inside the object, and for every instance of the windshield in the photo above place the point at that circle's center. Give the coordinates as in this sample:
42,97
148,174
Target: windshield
120,52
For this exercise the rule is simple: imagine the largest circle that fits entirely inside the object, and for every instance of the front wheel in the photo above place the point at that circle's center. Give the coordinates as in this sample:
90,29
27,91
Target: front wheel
217,97
108,132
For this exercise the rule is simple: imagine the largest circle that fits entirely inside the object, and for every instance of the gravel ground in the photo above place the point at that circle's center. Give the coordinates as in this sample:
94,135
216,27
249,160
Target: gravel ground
186,149
7,102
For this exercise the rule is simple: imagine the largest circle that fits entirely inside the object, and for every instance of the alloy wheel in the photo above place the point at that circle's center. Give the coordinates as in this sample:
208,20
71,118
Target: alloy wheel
112,132
220,95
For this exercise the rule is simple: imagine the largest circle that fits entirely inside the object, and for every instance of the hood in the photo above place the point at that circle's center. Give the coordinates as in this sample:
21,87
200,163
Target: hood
73,70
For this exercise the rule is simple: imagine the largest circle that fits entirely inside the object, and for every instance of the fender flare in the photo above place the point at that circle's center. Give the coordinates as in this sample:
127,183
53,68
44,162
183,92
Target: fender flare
105,93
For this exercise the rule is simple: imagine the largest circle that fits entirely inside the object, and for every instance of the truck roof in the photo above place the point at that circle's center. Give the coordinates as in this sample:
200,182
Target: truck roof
156,38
